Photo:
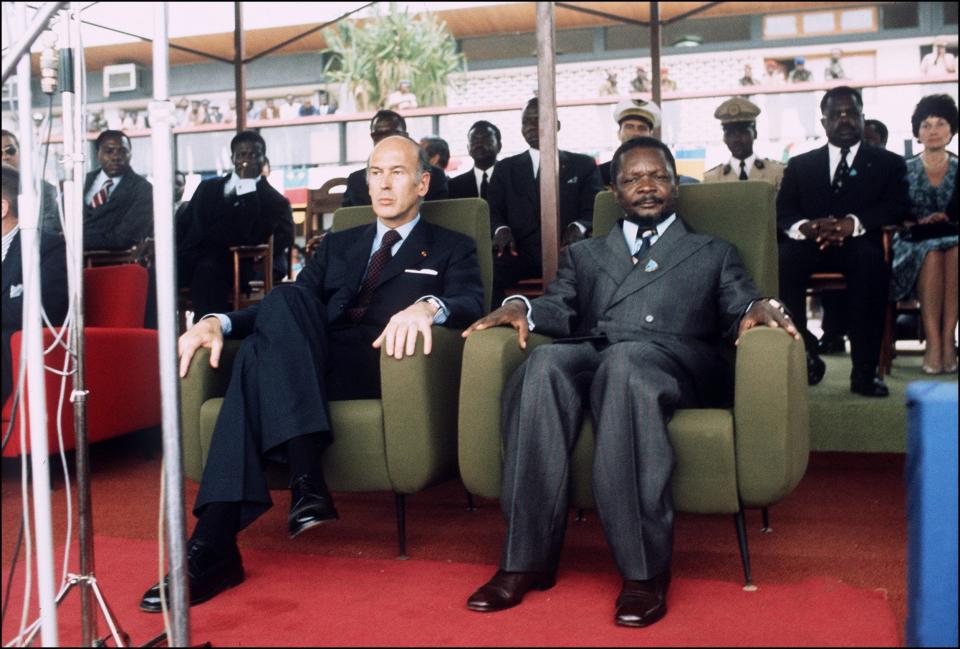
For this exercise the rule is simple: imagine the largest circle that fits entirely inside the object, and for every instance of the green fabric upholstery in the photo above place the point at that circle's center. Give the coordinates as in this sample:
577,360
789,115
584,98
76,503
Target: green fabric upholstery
403,442
755,453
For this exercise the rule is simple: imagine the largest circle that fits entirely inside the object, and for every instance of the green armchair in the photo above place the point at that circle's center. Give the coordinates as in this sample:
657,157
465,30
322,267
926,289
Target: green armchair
749,456
403,442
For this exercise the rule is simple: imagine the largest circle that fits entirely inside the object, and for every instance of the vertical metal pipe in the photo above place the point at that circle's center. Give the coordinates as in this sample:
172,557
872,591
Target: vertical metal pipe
32,327
549,154
655,58
161,124
239,74
73,133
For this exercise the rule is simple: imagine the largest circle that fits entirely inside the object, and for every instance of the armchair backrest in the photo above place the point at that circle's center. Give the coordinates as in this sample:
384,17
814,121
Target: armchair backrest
469,216
741,213
115,296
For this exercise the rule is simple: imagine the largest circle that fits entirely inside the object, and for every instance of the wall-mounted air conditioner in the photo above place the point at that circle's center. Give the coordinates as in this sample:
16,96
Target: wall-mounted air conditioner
120,78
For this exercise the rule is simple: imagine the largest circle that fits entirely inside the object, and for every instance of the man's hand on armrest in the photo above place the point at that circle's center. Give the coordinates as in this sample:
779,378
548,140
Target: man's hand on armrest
400,334
769,312
513,313
206,333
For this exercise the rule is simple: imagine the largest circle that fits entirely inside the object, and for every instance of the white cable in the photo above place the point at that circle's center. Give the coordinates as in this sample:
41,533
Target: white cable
163,593
66,471
27,537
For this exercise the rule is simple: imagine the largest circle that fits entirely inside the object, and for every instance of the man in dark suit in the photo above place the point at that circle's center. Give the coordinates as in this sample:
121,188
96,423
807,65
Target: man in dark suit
384,124
117,202
514,199
831,209
238,209
647,314
484,146
53,275
381,285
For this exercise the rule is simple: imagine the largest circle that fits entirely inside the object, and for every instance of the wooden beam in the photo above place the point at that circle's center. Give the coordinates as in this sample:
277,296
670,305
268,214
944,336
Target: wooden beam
239,73
655,59
549,156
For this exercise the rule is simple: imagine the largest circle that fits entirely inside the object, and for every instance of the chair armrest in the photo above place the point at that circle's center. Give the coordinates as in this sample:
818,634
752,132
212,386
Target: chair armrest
771,416
419,397
201,383
489,358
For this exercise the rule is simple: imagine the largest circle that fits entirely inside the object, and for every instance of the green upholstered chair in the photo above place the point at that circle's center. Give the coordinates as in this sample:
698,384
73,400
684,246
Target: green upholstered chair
749,456
403,442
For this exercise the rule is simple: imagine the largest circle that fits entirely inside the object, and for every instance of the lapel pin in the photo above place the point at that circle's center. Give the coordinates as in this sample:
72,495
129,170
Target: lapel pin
853,172
651,266
423,253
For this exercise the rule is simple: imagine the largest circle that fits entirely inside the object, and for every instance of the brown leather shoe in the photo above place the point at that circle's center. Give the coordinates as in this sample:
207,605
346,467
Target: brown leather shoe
643,602
507,589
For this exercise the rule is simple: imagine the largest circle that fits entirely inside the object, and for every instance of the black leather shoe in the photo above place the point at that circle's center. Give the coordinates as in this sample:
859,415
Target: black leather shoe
507,589
210,572
868,385
831,344
642,602
816,368
310,505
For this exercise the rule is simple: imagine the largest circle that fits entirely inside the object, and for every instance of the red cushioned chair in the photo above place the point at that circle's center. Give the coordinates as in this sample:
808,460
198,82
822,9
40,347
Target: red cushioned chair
121,362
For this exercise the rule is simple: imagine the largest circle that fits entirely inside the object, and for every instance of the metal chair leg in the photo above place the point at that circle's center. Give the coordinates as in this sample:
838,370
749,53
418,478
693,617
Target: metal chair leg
744,550
400,501
766,529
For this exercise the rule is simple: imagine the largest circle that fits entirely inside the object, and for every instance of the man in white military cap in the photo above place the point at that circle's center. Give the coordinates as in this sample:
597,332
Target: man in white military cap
738,118
636,117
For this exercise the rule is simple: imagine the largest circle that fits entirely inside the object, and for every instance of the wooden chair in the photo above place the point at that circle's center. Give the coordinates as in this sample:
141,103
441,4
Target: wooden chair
261,254
141,253
319,202
820,282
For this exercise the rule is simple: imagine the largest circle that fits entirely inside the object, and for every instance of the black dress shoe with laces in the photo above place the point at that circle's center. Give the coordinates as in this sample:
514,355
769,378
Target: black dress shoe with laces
868,385
642,602
816,368
506,590
310,505
210,571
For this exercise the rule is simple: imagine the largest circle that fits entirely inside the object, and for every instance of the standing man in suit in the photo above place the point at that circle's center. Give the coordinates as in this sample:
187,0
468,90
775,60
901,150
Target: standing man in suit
738,118
514,198
384,124
117,202
484,145
636,118
53,275
831,209
319,339
647,313
241,209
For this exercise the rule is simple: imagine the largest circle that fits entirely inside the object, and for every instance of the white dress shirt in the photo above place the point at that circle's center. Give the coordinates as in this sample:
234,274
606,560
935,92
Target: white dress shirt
748,164
8,239
97,184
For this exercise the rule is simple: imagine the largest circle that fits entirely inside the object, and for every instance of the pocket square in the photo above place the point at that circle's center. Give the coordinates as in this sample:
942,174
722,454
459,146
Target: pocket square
16,291
572,180
421,271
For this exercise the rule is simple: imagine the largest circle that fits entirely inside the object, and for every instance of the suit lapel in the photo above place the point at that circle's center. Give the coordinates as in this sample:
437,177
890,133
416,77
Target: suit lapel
415,249
12,271
822,168
614,257
859,168
672,248
526,178
358,255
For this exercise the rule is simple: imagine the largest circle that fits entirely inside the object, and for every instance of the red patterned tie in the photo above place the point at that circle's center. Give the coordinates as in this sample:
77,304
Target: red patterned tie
377,262
101,196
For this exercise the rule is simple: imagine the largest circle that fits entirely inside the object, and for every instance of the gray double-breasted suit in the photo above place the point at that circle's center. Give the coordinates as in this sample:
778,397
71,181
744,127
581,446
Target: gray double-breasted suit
661,331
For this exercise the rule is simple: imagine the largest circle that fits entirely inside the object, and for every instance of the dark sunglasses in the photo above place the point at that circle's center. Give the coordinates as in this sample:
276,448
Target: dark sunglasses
10,150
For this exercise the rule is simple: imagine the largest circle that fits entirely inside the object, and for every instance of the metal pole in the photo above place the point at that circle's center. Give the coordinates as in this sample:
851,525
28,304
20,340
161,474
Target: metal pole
655,58
29,36
73,231
32,327
549,155
239,73
161,123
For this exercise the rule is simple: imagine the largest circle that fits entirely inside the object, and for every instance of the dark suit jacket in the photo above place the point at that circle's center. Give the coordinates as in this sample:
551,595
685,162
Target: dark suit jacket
124,220
691,303
875,191
465,185
336,270
514,197
210,224
53,287
357,192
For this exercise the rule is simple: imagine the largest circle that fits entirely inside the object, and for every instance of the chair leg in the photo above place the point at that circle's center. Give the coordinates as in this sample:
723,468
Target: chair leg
744,551
766,529
400,501
471,506
580,516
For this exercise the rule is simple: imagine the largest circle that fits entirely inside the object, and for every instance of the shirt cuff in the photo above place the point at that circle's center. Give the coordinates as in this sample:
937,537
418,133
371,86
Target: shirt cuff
246,186
530,324
580,226
794,231
500,228
225,325
858,229
442,311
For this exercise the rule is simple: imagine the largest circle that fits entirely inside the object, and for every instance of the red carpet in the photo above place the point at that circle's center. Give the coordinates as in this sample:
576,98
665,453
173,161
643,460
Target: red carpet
299,599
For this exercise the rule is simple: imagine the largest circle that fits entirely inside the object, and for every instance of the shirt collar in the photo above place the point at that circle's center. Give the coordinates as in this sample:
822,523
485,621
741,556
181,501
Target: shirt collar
478,175
735,163
535,156
102,177
403,230
8,239
234,181
630,231
834,152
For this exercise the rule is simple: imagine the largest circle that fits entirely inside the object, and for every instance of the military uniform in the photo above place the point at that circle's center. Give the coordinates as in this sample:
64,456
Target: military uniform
743,112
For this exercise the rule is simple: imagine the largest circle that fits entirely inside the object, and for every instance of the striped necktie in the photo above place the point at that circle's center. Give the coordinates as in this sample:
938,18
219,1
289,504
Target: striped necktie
378,260
101,196
843,170
643,236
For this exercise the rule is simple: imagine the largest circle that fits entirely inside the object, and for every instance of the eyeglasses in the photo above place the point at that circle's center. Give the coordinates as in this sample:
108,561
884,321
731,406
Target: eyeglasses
10,150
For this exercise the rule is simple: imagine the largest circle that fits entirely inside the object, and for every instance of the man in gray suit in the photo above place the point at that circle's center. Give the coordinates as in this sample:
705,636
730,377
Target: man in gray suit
642,317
